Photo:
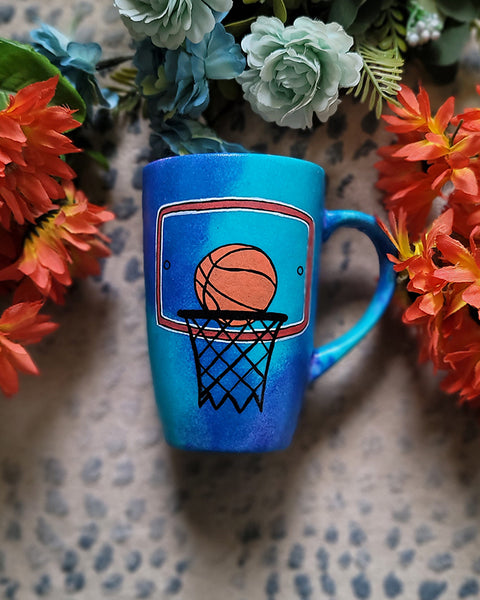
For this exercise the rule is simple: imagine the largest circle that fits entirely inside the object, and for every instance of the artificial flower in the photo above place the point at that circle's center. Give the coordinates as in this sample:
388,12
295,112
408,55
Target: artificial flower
407,187
168,22
20,324
76,61
182,81
464,375
466,210
31,142
464,268
470,118
413,113
296,71
63,243
433,157
423,25
437,156
186,136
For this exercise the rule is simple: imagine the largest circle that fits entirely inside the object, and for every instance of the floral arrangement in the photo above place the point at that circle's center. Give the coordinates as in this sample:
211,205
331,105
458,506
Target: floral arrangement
49,231
291,61
431,180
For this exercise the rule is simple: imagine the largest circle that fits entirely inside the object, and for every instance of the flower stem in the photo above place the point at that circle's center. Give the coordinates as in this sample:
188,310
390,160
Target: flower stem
452,139
108,63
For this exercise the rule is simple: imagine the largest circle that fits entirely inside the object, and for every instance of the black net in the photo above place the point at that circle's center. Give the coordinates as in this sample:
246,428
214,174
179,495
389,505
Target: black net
232,352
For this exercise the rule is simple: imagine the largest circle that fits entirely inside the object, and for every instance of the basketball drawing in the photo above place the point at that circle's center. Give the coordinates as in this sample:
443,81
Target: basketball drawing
235,277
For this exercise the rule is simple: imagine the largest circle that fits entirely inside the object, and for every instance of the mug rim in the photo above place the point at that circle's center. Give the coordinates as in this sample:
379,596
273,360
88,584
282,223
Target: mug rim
244,156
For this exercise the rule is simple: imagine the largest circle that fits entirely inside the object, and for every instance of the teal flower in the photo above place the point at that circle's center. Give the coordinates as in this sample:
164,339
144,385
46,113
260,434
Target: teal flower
297,71
169,22
77,62
184,136
182,82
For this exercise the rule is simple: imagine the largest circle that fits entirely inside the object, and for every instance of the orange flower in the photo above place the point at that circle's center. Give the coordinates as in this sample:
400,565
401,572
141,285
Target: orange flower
469,119
466,209
417,260
462,357
63,243
437,157
463,271
414,113
31,142
464,376
400,239
20,324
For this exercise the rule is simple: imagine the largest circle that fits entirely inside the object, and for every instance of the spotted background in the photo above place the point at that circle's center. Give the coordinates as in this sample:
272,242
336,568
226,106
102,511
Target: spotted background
378,496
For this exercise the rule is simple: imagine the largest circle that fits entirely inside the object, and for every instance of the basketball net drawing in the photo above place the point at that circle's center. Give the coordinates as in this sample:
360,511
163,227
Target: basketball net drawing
233,335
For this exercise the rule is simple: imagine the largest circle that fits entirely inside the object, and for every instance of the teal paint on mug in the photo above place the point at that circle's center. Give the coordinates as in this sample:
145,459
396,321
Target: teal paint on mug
232,245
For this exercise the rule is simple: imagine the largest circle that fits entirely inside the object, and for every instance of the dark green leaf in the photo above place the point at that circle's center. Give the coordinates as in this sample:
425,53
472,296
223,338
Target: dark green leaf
99,158
3,100
345,11
239,28
279,10
460,10
292,4
448,48
21,65
367,15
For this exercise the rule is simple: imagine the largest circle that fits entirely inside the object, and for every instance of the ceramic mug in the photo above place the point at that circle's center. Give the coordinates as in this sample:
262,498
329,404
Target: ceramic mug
232,246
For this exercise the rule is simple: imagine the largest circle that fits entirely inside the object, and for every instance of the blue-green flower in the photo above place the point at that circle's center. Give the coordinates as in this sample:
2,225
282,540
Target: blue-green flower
168,22
297,71
182,82
185,136
77,62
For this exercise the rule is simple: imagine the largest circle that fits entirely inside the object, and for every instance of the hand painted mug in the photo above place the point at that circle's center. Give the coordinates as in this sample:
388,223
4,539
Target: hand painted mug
232,245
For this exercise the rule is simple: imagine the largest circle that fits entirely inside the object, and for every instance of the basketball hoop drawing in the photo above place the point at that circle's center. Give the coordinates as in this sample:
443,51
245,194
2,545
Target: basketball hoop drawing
228,368
233,335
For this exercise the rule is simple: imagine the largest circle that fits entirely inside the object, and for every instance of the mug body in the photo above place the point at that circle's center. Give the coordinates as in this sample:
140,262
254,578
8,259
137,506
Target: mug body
231,250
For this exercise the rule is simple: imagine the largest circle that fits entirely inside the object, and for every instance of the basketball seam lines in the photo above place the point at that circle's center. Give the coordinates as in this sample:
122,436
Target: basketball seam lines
225,296
215,265
249,270
204,286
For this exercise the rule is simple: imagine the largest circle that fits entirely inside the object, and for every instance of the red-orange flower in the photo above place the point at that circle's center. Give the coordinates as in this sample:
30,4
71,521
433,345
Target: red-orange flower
437,157
20,324
31,142
462,357
470,118
414,113
463,270
63,243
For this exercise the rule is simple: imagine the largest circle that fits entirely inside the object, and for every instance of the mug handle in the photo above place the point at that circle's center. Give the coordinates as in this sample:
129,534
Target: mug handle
327,355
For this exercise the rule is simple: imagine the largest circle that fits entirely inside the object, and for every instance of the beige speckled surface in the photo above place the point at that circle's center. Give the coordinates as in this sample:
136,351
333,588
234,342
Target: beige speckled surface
378,497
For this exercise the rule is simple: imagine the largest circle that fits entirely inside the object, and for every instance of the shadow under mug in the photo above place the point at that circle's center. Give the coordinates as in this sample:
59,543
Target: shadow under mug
232,246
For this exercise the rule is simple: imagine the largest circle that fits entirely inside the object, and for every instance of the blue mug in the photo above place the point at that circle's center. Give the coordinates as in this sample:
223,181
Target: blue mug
232,246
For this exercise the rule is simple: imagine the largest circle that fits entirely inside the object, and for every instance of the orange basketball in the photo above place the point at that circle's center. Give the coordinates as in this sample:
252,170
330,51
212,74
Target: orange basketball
235,277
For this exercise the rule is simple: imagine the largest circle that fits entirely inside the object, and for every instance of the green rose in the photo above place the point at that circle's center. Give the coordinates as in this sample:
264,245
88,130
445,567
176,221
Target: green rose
296,71
169,22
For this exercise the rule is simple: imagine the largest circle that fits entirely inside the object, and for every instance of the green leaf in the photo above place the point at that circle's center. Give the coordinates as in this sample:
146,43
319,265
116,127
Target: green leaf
239,28
279,10
460,10
381,75
345,12
3,100
292,4
99,158
448,49
21,65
